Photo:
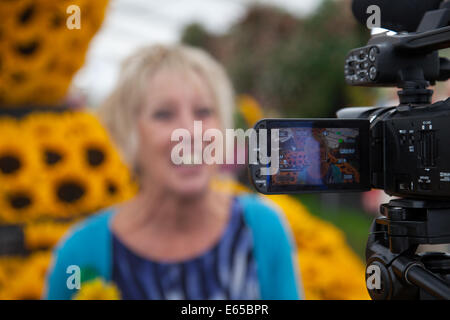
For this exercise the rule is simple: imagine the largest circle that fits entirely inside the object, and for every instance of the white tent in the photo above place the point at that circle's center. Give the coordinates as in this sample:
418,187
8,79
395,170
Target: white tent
133,23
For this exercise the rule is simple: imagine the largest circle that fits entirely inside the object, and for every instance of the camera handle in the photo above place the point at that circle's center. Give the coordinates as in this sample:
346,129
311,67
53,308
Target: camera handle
394,270
432,34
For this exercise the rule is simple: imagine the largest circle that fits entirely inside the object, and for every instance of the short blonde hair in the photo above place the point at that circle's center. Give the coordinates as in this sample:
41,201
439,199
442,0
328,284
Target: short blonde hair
120,110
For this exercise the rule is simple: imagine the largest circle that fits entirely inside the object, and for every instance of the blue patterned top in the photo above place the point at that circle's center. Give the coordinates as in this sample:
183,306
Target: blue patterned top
225,271
89,245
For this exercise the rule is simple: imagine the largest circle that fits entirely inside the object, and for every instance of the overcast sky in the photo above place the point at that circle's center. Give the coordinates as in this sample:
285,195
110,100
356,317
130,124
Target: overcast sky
132,23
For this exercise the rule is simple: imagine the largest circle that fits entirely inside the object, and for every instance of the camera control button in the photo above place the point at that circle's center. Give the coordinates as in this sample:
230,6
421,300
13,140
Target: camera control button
373,73
373,54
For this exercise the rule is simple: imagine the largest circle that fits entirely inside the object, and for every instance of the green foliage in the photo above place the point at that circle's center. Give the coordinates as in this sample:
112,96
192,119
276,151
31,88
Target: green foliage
354,222
293,66
195,35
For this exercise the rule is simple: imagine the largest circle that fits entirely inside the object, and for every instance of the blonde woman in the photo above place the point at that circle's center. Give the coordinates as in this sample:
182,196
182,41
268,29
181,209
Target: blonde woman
178,238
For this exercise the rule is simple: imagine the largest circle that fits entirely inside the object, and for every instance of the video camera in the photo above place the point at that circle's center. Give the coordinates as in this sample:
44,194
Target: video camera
403,149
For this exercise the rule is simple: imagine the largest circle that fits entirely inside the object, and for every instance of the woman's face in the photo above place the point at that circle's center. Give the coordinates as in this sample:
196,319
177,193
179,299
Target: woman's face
174,100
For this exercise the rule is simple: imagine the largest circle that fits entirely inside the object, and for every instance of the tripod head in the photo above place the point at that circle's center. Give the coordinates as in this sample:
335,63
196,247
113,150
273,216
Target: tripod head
391,251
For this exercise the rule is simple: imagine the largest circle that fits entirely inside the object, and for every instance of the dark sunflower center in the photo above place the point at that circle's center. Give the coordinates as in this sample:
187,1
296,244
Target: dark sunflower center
57,21
70,191
20,201
27,48
18,77
9,164
27,14
52,157
95,157
112,188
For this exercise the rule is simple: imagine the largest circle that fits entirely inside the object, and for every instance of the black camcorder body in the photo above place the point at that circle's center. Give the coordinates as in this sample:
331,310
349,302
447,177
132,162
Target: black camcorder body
409,150
403,150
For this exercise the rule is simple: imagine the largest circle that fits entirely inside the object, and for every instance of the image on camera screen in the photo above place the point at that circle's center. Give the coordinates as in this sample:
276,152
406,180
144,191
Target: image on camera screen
318,156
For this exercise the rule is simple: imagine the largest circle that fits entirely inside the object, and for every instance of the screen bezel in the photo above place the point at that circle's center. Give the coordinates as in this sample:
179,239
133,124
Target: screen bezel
361,124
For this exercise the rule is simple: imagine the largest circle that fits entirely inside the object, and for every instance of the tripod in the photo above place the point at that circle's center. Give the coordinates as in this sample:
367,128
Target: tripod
394,270
391,259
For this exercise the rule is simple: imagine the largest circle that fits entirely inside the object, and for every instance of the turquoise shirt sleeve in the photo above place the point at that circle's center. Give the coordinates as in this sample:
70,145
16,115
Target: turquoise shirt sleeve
275,250
64,256
86,246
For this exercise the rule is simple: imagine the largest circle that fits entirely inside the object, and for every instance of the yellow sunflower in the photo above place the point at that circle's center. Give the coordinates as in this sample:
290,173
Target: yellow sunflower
72,193
8,266
76,124
27,51
26,282
15,86
250,109
97,289
22,200
55,152
50,91
39,53
118,185
97,154
18,157
91,142
41,125
44,234
23,17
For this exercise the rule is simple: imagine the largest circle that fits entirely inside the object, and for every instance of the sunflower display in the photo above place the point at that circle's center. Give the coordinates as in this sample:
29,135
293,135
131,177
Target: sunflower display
44,234
97,155
39,53
16,159
55,152
73,194
118,184
25,276
55,167
59,165
22,200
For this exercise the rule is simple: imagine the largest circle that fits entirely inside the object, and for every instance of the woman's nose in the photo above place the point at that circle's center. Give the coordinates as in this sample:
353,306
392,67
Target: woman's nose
186,121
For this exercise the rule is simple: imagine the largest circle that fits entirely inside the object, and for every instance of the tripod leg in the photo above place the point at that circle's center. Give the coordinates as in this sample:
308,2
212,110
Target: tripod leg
427,281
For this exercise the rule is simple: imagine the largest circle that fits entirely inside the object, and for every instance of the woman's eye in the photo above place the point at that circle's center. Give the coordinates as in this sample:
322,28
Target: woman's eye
203,112
162,115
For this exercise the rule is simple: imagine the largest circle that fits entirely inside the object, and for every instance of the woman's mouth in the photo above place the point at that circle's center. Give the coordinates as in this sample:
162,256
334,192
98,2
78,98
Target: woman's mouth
188,169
